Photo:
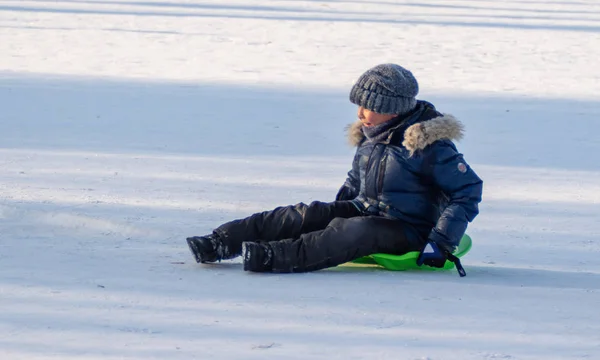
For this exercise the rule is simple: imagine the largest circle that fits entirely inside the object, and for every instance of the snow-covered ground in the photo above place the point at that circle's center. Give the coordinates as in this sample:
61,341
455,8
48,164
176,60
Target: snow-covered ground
126,126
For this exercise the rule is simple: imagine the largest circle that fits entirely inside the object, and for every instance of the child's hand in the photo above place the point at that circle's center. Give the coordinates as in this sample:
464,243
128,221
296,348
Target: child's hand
432,255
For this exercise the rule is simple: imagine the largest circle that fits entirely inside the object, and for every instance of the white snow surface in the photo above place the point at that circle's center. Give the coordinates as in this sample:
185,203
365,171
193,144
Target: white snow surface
127,125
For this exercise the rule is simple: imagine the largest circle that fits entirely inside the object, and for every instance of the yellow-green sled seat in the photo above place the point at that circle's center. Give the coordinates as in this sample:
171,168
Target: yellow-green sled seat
408,261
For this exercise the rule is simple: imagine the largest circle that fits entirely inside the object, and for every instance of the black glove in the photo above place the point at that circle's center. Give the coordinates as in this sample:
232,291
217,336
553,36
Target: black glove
433,256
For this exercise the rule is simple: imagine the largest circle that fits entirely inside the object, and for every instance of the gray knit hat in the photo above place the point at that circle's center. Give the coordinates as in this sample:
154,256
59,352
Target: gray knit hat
386,89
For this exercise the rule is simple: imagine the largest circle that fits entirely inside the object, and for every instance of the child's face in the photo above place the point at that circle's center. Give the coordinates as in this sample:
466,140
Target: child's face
371,118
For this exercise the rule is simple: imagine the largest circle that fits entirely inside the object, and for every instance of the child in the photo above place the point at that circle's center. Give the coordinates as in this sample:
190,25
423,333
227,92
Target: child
409,190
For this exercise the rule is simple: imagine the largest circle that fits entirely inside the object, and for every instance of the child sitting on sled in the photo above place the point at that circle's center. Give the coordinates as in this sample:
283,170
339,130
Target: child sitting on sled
408,190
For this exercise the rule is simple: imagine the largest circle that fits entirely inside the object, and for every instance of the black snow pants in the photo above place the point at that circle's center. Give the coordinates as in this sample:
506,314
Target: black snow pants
320,235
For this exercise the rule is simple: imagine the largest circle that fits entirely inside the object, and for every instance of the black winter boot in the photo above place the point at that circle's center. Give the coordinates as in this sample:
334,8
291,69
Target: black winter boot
205,248
257,257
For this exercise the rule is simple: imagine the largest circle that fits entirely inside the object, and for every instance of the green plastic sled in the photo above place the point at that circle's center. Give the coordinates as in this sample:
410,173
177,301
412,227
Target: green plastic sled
408,261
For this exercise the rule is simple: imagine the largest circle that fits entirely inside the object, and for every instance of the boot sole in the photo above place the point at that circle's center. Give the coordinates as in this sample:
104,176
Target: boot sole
245,262
194,250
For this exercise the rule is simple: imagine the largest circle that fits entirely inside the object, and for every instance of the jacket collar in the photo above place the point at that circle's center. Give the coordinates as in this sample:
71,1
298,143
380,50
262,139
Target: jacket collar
421,128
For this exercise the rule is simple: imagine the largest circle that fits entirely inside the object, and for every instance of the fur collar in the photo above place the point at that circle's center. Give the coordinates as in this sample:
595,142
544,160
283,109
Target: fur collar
420,135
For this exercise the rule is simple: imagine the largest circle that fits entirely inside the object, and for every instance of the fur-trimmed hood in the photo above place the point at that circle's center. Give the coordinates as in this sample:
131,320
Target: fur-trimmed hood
419,135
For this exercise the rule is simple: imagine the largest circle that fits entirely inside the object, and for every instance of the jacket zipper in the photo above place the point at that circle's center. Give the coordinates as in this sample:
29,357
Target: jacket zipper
381,174
369,161
368,171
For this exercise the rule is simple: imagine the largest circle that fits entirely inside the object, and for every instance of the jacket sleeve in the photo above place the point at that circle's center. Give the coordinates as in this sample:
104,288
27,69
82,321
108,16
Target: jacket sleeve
463,188
351,187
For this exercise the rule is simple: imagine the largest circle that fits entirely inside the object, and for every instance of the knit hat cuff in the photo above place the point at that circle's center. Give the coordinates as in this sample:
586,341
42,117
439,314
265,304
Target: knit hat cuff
380,103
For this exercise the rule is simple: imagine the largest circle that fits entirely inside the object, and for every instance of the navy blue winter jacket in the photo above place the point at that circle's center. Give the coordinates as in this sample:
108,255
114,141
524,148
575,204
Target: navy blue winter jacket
416,175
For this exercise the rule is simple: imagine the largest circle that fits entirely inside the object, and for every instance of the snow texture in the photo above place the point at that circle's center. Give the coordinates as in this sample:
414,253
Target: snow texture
127,125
